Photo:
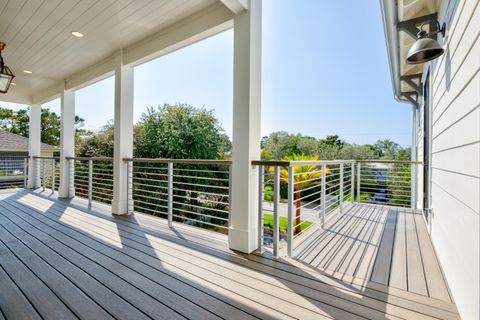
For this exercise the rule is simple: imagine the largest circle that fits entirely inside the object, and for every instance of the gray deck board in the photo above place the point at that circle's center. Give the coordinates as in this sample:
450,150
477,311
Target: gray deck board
415,272
383,259
398,277
382,244
191,270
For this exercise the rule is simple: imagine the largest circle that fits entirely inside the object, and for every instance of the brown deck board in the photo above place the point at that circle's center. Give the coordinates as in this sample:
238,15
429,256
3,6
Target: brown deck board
143,254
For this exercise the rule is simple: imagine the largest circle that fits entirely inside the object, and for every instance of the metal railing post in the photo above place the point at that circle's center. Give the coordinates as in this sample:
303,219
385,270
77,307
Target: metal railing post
53,175
43,174
359,165
37,169
352,190
290,211
229,193
90,182
71,178
170,194
341,187
323,196
260,209
129,187
276,216
413,191
25,173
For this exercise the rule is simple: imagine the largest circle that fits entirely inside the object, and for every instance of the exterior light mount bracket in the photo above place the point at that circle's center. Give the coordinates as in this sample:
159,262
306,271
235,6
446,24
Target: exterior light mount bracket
410,26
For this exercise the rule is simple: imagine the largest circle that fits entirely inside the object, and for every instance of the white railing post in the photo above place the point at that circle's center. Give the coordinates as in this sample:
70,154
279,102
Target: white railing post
170,194
352,190
323,196
129,187
341,187
276,216
229,193
413,187
71,178
43,174
37,173
290,211
53,175
90,182
359,165
25,174
260,208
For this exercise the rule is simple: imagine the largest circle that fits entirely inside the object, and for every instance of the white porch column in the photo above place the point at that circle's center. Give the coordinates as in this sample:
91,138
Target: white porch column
123,139
246,128
67,139
34,144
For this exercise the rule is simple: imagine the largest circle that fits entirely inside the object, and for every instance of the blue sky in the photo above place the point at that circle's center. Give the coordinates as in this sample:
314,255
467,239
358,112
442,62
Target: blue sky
325,71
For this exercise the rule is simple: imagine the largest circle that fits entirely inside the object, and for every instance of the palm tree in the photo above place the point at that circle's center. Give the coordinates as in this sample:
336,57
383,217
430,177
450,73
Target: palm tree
304,177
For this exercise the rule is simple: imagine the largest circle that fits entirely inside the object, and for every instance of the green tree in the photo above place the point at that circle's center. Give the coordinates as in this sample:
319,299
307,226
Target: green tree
304,177
18,122
99,144
180,132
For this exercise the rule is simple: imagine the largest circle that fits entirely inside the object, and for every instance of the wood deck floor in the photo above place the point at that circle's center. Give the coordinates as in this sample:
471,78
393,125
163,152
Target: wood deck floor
59,260
382,244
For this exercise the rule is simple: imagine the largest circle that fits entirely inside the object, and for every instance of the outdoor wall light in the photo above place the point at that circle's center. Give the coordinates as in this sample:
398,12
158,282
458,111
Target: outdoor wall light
6,76
425,48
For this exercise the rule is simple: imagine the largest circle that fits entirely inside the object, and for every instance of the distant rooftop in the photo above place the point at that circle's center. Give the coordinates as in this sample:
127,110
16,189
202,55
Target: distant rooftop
14,142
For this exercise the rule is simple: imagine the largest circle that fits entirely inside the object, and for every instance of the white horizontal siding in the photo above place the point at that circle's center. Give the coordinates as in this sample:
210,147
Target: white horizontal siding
455,92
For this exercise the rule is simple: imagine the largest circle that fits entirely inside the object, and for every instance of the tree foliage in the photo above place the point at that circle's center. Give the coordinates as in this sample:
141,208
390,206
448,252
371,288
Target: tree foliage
279,145
180,132
18,122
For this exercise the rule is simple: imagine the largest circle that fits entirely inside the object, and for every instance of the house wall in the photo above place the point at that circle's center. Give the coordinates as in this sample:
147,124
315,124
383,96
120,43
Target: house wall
455,154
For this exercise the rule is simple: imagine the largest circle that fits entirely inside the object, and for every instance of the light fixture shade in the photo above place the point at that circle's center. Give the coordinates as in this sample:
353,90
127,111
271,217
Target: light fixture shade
423,50
6,77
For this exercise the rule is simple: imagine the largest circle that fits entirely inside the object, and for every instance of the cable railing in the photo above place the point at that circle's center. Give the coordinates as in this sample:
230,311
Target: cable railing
92,178
49,170
296,197
13,172
386,182
194,192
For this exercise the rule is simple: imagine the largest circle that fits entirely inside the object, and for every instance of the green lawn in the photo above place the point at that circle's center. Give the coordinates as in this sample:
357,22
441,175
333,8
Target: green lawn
268,222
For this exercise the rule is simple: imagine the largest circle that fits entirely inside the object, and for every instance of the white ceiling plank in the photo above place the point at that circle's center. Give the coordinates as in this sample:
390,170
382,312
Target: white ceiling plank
9,13
40,40
25,14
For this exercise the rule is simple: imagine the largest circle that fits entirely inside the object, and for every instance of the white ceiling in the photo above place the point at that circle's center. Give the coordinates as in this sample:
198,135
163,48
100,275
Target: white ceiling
38,34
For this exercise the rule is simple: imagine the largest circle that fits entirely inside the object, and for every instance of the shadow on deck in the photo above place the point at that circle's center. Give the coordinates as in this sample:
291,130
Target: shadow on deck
382,244
60,260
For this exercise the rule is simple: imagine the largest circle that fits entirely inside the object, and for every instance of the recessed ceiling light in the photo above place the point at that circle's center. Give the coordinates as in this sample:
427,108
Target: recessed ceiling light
28,71
77,34
13,84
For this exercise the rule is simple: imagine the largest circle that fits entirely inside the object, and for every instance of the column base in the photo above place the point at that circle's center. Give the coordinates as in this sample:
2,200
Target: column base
243,240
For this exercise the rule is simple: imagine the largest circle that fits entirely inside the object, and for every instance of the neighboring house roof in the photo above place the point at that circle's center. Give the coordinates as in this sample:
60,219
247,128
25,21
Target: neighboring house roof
14,142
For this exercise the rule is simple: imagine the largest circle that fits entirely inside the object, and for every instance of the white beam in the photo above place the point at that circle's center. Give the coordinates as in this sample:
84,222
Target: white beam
123,138
199,26
34,144
246,128
67,139
236,6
